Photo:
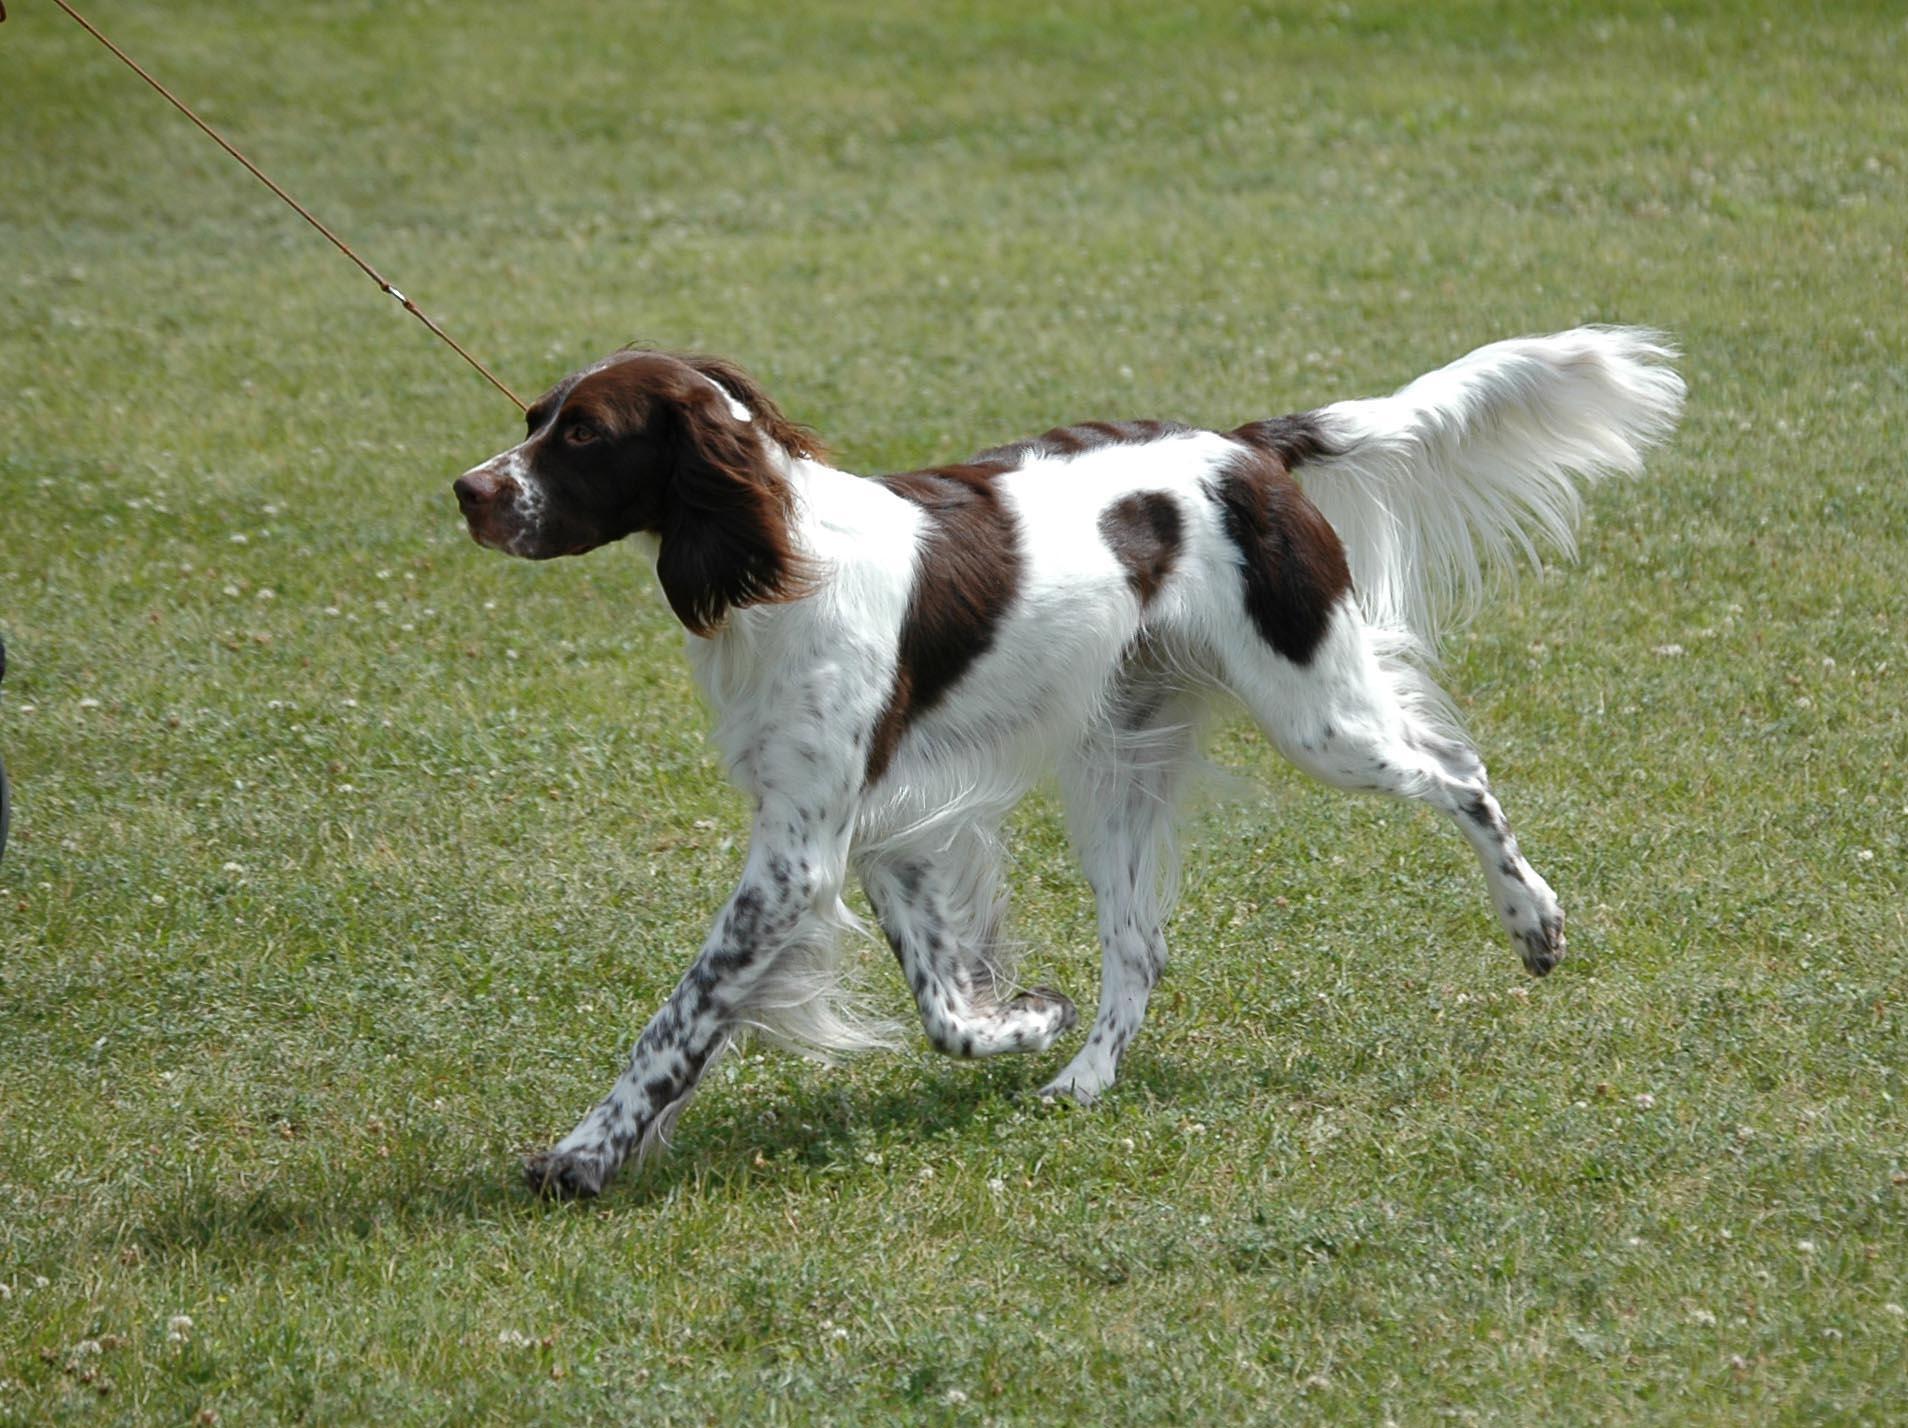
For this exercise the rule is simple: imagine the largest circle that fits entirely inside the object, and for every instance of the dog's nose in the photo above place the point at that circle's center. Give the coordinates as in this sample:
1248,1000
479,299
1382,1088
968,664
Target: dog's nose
481,488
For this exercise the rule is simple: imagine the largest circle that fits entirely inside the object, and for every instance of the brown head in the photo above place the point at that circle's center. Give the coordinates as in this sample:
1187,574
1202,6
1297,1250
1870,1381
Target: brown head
688,449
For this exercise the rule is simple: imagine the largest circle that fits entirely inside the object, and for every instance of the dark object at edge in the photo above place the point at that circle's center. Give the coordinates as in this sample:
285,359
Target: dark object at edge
6,798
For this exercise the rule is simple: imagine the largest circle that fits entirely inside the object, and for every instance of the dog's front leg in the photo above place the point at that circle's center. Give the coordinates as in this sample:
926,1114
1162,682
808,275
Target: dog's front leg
788,875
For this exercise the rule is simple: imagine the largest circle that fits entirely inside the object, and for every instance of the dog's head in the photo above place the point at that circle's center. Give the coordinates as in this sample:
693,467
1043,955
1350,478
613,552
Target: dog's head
688,449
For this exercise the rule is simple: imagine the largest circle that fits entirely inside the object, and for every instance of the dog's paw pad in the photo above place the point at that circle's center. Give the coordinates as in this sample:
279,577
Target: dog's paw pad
564,1175
1057,1005
1071,1088
1542,948
1072,1093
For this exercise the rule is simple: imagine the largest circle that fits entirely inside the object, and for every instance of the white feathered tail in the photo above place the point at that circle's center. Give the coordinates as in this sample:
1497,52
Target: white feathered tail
1457,476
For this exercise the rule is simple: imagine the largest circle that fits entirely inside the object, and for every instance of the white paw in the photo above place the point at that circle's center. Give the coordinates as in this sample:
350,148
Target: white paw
1080,1084
1531,916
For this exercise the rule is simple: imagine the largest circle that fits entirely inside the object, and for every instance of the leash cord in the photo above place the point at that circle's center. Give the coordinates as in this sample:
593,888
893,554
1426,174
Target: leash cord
303,212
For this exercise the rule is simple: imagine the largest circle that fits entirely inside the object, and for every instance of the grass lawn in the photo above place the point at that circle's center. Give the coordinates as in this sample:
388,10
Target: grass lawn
348,857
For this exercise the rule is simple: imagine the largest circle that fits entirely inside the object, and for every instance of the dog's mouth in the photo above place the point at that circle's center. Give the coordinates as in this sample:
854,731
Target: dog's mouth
488,530
506,532
529,548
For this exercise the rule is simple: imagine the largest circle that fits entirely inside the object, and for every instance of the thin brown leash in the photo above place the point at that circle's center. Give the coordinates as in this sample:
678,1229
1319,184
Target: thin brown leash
303,212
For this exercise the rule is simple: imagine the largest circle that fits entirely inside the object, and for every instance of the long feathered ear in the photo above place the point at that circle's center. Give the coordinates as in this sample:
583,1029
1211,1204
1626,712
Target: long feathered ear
726,541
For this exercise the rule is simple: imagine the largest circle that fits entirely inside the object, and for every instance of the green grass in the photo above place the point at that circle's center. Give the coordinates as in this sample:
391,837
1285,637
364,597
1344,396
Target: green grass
348,856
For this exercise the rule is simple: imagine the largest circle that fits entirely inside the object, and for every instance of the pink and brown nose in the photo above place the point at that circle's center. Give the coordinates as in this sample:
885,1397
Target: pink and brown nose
481,487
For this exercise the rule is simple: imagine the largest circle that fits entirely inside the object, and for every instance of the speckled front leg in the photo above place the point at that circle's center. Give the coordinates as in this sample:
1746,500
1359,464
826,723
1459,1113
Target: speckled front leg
776,906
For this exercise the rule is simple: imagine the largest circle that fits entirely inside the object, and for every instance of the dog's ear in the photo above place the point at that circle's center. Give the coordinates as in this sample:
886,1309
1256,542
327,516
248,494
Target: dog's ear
792,437
726,541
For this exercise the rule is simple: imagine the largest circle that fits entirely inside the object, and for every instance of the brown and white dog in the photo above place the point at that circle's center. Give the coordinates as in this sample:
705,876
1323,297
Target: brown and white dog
893,662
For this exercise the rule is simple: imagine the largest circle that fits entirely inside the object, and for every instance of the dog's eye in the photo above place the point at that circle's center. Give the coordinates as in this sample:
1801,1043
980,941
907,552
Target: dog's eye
579,434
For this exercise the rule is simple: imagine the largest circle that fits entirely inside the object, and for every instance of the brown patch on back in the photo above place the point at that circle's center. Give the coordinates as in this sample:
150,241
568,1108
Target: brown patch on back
965,580
1073,440
1144,532
970,565
1293,440
1291,560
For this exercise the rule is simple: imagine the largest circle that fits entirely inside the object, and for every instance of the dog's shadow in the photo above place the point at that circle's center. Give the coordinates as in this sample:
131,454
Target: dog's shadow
735,1141
829,1125
834,1128
205,1219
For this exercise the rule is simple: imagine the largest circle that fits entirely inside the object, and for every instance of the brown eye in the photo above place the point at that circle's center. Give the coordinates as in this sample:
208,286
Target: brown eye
579,434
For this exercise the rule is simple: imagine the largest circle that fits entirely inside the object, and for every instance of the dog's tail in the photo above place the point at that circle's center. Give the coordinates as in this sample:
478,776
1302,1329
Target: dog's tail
1459,475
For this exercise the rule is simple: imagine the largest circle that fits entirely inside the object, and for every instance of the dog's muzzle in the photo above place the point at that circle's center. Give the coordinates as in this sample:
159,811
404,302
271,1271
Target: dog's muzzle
488,498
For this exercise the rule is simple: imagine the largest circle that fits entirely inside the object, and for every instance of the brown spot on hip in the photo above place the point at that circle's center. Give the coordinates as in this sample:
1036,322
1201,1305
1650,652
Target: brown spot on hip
1144,533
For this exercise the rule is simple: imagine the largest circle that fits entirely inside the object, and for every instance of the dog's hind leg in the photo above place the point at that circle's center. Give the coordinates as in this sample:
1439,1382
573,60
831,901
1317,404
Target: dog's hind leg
1360,715
941,911
1122,791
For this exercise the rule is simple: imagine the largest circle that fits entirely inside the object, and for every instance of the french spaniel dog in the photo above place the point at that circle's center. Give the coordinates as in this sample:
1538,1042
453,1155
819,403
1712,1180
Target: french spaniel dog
892,662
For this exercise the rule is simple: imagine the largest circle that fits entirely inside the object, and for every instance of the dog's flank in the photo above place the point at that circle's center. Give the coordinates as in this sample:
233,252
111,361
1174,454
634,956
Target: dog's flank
893,662
969,576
